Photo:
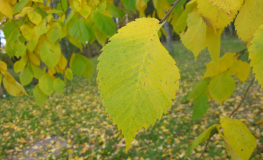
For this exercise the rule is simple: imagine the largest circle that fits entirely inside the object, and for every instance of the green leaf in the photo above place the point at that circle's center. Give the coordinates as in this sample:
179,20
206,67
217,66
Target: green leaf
179,5
89,70
39,96
64,4
200,139
129,4
54,33
43,27
238,136
255,54
77,64
104,23
9,27
115,11
54,11
26,76
241,70
69,74
21,4
46,84
50,53
37,72
85,31
59,85
222,86
199,88
200,106
137,77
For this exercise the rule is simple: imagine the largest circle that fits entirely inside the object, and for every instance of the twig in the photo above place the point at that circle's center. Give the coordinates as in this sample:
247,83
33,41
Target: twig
241,53
207,142
170,11
239,105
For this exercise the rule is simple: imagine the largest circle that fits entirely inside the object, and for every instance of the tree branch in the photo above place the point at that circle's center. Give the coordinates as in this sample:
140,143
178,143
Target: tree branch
170,11
239,105
206,145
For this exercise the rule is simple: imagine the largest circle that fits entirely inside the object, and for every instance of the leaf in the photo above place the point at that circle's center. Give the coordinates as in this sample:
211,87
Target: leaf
255,54
34,17
229,7
85,31
104,23
129,4
194,38
46,84
198,88
77,64
21,4
54,33
49,50
6,8
37,72
241,70
39,96
222,86
44,26
249,19
162,7
89,70
231,152
59,85
13,88
33,58
137,77
238,136
69,74
141,6
64,4
115,11
200,106
200,139
20,65
225,62
213,39
101,37
213,16
26,76
3,66
9,27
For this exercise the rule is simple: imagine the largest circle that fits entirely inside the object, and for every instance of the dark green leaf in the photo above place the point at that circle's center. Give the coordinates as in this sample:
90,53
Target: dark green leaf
200,106
129,4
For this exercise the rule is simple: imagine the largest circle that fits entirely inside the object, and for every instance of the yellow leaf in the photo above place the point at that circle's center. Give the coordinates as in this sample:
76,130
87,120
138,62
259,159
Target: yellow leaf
194,38
9,77
34,17
228,6
101,37
20,65
241,70
231,152
137,77
33,58
162,7
6,9
141,6
213,69
13,88
69,74
249,19
238,136
3,66
212,15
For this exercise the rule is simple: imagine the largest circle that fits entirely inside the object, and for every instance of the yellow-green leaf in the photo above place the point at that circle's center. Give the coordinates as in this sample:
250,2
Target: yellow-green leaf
13,88
213,39
3,66
44,26
26,76
198,88
50,53
256,56
33,58
46,84
77,64
59,85
39,96
200,106
20,5
34,17
89,70
241,70
200,139
69,74
37,72
137,77
20,65
238,136
194,38
222,86
249,19
231,152
54,33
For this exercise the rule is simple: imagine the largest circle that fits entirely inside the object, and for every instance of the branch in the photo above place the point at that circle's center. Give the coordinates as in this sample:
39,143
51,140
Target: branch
239,105
207,142
241,53
170,11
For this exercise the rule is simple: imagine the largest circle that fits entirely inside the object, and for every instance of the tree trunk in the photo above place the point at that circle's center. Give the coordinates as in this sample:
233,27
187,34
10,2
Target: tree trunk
169,38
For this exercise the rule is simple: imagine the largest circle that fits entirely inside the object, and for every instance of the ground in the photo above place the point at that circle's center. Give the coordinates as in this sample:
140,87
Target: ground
74,125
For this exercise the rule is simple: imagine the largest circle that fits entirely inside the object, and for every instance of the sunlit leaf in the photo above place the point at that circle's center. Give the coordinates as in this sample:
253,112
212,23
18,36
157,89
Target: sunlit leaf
13,88
46,84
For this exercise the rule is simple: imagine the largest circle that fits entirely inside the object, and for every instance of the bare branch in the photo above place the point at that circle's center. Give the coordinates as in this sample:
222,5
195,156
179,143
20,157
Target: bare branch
170,11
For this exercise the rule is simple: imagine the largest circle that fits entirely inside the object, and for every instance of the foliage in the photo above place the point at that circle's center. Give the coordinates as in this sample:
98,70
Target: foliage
137,77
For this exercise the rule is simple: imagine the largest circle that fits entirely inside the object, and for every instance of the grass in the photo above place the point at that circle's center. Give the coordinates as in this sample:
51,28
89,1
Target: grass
78,117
